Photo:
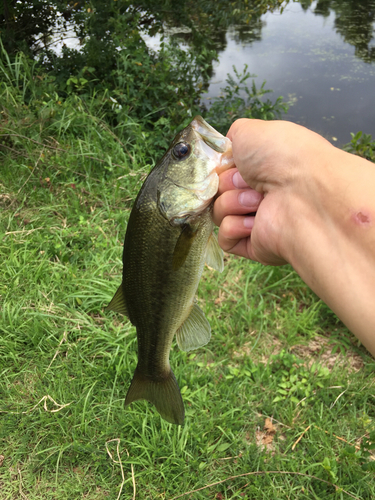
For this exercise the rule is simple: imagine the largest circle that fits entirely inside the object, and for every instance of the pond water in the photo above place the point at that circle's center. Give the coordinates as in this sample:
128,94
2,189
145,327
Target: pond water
320,56
321,59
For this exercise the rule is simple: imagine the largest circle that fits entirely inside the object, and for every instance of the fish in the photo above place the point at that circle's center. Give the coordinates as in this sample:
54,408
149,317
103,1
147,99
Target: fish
169,238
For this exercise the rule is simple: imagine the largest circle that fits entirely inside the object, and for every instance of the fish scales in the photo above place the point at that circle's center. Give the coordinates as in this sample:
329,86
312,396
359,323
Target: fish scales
168,239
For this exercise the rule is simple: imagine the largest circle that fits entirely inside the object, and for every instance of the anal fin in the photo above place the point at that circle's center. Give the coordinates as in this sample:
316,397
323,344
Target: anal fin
195,331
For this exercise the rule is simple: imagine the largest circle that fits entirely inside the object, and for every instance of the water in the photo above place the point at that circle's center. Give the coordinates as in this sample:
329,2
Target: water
303,57
323,65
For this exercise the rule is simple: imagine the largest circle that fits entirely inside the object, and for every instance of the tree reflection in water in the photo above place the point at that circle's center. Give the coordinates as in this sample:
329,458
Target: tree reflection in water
354,22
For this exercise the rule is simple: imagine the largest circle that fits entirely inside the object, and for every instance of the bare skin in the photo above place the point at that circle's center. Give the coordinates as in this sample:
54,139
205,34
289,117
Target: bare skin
315,209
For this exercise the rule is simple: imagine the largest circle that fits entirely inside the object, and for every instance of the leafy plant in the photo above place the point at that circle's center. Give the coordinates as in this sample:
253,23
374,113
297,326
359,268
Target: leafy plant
330,467
239,100
296,382
362,145
367,447
362,455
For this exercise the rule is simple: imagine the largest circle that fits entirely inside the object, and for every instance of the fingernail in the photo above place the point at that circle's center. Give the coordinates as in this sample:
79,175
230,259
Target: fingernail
248,222
238,181
249,198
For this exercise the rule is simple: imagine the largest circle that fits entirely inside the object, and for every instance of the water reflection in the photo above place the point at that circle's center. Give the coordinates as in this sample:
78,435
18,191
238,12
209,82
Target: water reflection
354,22
318,55
248,33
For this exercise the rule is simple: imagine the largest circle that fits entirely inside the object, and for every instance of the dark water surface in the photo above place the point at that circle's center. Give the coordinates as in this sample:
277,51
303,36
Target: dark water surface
321,60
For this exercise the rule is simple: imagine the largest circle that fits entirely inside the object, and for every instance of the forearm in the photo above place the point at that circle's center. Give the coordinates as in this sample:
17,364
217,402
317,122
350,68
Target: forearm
315,209
331,240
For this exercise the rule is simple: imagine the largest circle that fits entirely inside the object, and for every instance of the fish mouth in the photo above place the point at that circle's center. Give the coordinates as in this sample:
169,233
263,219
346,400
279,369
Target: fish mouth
216,141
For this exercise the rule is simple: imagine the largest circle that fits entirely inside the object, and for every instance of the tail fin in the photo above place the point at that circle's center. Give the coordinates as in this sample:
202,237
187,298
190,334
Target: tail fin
165,395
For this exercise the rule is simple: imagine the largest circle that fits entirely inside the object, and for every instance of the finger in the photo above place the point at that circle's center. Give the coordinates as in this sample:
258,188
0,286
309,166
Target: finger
233,230
244,249
236,202
231,179
226,181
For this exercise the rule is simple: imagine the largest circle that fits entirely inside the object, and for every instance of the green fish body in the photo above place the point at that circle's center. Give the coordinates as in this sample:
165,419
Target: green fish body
169,238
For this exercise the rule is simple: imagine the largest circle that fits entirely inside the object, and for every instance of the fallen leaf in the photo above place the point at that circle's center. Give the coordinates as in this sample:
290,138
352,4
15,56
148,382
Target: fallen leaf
269,427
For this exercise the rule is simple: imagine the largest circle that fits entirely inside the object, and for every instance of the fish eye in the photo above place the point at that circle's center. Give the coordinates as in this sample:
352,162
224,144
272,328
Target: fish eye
181,150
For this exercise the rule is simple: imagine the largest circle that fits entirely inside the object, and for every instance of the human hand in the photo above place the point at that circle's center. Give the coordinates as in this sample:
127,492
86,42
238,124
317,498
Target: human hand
276,159
315,209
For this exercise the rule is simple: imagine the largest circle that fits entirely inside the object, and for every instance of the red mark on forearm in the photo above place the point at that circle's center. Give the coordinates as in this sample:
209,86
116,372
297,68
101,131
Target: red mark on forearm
362,218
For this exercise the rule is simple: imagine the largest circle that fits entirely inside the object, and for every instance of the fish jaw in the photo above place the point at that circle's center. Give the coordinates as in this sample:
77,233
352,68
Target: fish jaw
211,136
217,142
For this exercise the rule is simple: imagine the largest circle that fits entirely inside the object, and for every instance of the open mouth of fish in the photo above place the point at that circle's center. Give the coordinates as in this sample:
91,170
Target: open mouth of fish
216,142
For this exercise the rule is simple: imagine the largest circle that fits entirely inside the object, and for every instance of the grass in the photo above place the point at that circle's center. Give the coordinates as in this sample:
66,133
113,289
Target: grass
277,352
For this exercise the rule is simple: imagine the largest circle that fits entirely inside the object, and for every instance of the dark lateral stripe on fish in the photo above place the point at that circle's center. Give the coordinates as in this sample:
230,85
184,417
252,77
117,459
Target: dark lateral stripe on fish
164,394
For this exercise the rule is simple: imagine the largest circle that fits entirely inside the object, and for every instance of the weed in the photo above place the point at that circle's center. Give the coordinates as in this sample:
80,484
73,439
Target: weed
297,383
362,145
239,100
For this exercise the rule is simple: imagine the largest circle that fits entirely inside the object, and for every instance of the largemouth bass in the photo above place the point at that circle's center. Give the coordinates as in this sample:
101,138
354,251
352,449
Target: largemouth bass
169,237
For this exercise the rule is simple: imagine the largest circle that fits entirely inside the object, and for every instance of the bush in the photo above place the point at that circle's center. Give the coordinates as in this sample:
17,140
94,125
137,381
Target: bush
238,100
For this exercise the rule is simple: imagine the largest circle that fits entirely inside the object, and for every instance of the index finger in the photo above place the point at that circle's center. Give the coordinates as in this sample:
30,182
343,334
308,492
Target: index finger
227,183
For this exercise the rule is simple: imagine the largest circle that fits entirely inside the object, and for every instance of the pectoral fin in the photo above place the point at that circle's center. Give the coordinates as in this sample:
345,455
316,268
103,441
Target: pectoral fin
195,330
182,247
118,303
214,254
